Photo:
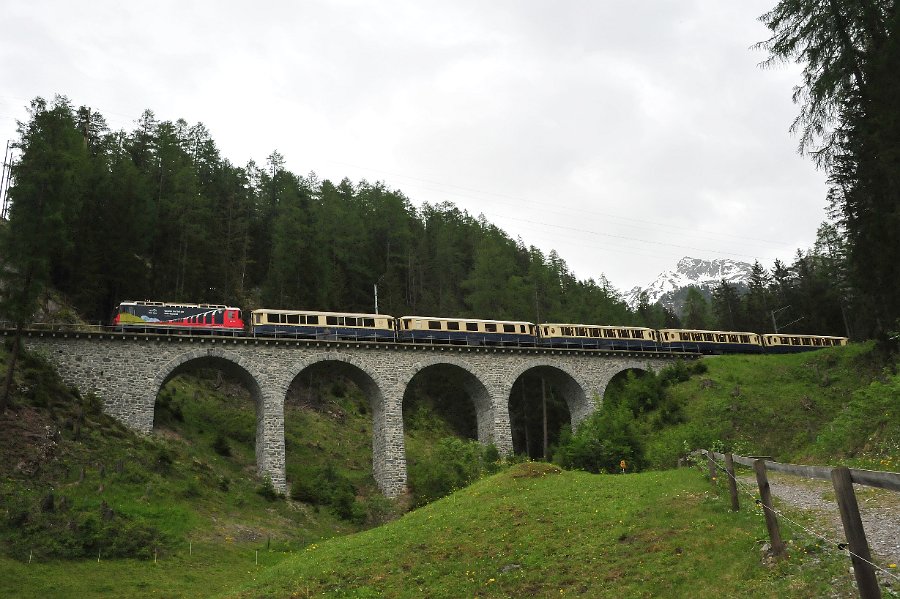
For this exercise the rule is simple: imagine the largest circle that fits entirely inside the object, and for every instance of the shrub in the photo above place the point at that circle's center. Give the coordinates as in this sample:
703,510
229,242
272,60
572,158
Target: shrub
267,490
454,463
327,486
220,446
608,436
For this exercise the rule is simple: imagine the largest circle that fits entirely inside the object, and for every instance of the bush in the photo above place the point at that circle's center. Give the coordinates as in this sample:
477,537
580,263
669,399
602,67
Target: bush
604,439
220,446
73,533
328,487
267,490
454,464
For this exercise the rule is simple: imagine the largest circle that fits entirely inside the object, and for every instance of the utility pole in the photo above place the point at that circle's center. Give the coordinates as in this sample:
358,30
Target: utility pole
544,406
775,324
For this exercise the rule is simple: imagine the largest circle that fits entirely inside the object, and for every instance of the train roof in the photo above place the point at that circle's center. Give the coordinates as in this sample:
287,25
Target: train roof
468,319
803,335
603,326
320,313
706,331
178,304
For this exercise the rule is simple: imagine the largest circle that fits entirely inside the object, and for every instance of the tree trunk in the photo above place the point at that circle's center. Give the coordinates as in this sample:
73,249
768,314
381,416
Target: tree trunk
10,369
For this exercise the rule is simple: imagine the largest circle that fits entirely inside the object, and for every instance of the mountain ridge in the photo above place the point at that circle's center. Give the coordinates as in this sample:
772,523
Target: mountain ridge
670,287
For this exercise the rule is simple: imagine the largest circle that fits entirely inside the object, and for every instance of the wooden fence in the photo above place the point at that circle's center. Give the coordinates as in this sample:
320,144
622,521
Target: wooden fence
842,479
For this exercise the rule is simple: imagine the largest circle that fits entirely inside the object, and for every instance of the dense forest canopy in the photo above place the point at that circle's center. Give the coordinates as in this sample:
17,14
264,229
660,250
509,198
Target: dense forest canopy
157,213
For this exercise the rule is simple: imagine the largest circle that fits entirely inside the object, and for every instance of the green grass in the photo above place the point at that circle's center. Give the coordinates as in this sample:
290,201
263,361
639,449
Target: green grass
197,570
829,406
535,531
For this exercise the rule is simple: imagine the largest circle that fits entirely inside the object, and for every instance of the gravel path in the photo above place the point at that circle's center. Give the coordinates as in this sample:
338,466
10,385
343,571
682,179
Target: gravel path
879,509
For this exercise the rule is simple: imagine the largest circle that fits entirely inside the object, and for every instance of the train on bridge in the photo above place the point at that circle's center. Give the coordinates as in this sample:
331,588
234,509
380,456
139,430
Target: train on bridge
164,317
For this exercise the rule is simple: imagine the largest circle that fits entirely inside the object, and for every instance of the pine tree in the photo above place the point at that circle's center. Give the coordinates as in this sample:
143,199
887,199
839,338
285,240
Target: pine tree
46,185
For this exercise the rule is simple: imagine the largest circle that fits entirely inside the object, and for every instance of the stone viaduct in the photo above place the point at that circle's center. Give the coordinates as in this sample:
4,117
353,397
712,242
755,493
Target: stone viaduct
128,370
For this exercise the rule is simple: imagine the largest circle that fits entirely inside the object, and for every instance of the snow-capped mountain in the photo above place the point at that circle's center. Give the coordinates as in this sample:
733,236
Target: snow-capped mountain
670,287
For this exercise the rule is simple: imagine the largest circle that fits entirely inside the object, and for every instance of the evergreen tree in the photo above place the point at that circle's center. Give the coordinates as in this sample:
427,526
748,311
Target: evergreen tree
756,301
46,186
696,310
727,307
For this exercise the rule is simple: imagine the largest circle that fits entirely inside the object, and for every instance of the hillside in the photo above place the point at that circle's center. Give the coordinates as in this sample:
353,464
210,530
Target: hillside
538,531
832,406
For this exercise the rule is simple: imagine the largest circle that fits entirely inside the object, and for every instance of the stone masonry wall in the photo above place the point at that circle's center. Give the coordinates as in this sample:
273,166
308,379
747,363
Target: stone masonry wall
127,371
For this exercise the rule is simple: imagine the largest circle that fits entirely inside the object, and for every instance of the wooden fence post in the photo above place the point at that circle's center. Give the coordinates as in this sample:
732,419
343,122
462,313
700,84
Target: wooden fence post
765,495
732,482
860,555
712,467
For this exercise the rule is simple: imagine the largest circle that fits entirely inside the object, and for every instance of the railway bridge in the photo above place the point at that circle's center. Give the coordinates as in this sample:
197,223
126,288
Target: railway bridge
127,371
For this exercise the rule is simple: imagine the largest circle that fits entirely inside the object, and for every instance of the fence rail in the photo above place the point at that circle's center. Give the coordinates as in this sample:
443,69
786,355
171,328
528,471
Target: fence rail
842,479
868,478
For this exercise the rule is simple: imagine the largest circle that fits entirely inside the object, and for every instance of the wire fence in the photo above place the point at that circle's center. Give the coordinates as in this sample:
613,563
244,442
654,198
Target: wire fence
856,546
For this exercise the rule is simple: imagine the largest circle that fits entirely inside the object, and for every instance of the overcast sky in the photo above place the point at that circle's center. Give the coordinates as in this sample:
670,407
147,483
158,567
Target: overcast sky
625,135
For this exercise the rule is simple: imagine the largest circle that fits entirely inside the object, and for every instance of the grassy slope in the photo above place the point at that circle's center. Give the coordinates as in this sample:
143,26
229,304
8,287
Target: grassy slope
535,531
835,405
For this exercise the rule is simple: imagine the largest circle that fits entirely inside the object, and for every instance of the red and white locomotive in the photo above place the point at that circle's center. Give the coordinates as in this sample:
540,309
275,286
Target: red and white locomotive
172,316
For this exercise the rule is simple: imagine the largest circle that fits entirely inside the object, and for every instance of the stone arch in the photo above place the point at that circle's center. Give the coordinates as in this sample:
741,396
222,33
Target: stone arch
480,394
575,390
269,407
622,369
388,460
